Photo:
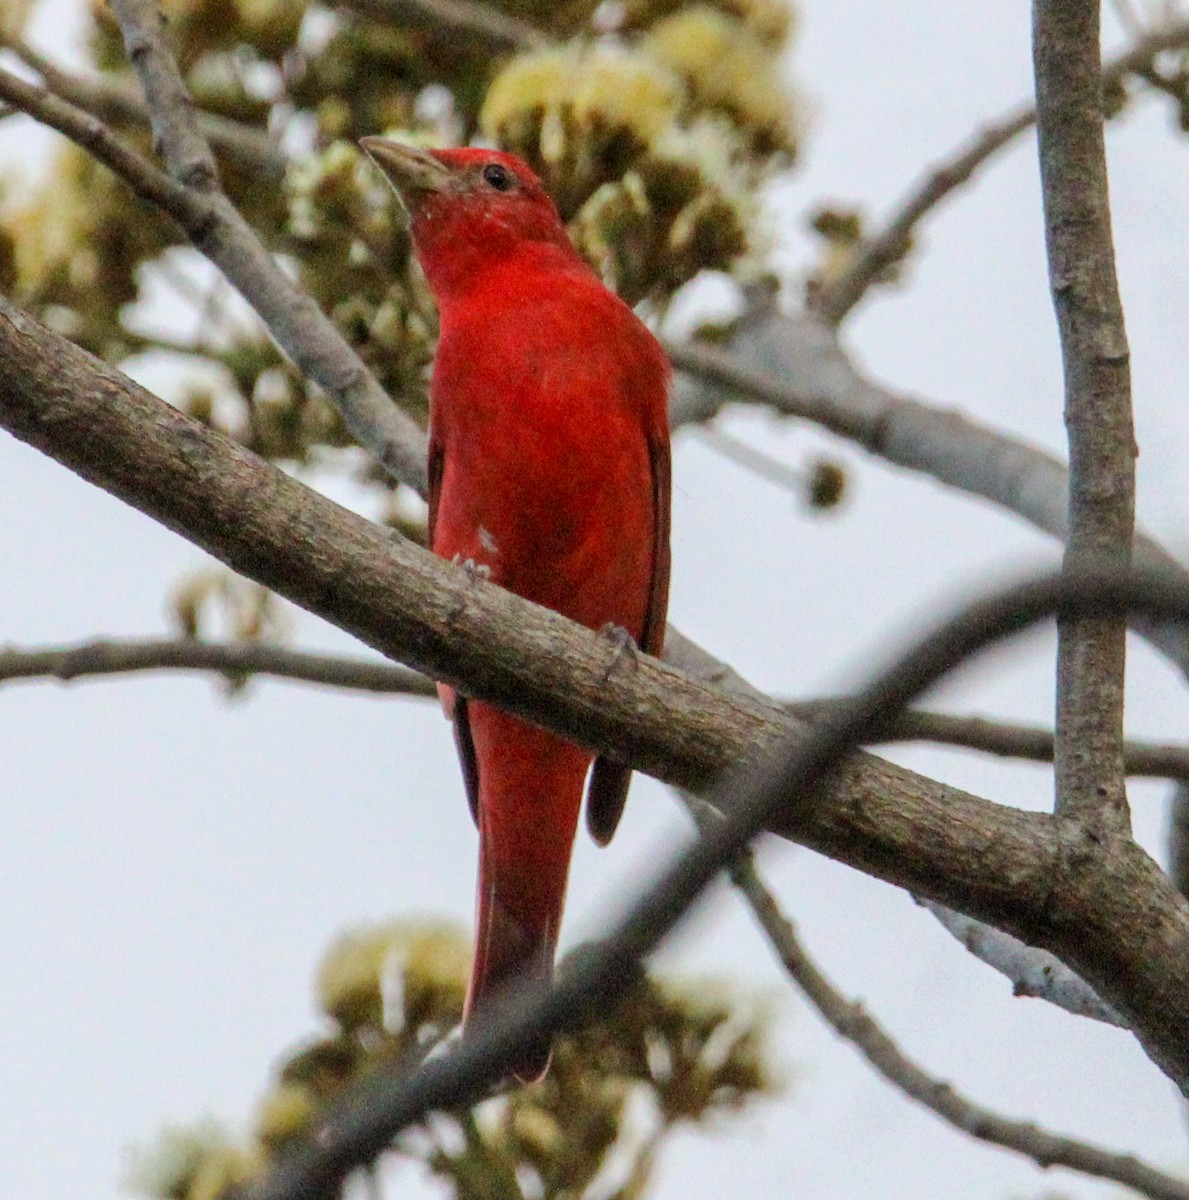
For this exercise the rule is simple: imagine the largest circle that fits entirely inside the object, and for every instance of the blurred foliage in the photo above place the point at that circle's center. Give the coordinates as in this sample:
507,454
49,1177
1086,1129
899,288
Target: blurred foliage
653,122
827,484
213,602
842,232
667,1057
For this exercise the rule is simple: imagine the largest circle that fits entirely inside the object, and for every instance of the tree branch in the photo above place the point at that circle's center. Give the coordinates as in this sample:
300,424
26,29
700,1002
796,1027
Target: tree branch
874,255
887,247
1178,838
362,1124
795,365
1115,919
236,659
765,466
1057,468
1156,760
218,231
172,111
1091,654
1032,972
851,1021
248,148
147,182
98,657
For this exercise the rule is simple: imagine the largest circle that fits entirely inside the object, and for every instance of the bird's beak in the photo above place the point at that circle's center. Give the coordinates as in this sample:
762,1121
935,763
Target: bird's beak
414,173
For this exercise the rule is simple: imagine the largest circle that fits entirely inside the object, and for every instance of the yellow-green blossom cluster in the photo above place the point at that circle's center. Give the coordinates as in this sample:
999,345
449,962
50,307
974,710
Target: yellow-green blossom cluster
352,244
390,992
654,144
653,123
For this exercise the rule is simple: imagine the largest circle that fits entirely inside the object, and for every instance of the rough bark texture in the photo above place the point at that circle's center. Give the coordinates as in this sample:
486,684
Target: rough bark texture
1112,916
1090,652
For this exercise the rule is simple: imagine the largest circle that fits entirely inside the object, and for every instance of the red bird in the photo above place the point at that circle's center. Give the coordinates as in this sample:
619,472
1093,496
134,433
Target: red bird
549,474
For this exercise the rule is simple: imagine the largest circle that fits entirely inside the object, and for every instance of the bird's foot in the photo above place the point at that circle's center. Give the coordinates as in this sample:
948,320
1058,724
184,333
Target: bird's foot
474,570
625,645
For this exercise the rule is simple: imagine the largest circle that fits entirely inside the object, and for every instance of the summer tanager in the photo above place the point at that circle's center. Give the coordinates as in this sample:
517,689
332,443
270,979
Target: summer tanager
548,474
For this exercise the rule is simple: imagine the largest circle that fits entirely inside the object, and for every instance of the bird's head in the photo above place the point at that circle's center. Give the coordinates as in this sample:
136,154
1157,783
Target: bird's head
469,208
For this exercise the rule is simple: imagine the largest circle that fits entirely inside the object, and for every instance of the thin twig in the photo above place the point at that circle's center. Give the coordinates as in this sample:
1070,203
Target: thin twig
107,656
1091,652
764,465
101,657
875,254
1152,759
243,145
217,230
95,137
888,246
850,1020
460,17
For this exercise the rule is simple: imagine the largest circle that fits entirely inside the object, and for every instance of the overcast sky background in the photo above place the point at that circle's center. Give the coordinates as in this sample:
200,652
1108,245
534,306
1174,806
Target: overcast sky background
172,866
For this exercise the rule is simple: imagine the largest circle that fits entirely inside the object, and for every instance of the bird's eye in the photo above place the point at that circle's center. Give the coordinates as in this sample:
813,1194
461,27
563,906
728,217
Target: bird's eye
497,176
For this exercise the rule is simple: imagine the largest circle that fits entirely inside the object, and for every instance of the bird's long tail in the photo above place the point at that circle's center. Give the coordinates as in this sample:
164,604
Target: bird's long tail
530,791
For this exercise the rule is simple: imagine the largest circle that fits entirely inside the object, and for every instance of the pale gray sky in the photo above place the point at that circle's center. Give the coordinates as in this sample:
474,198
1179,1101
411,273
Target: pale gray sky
172,866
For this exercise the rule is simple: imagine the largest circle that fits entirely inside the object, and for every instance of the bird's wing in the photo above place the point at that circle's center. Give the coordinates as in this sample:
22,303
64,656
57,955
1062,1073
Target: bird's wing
609,780
454,704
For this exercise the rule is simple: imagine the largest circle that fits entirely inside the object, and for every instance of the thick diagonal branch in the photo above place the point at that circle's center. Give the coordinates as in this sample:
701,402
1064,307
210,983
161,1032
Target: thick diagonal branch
1091,653
388,441
1116,921
791,363
793,777
139,179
